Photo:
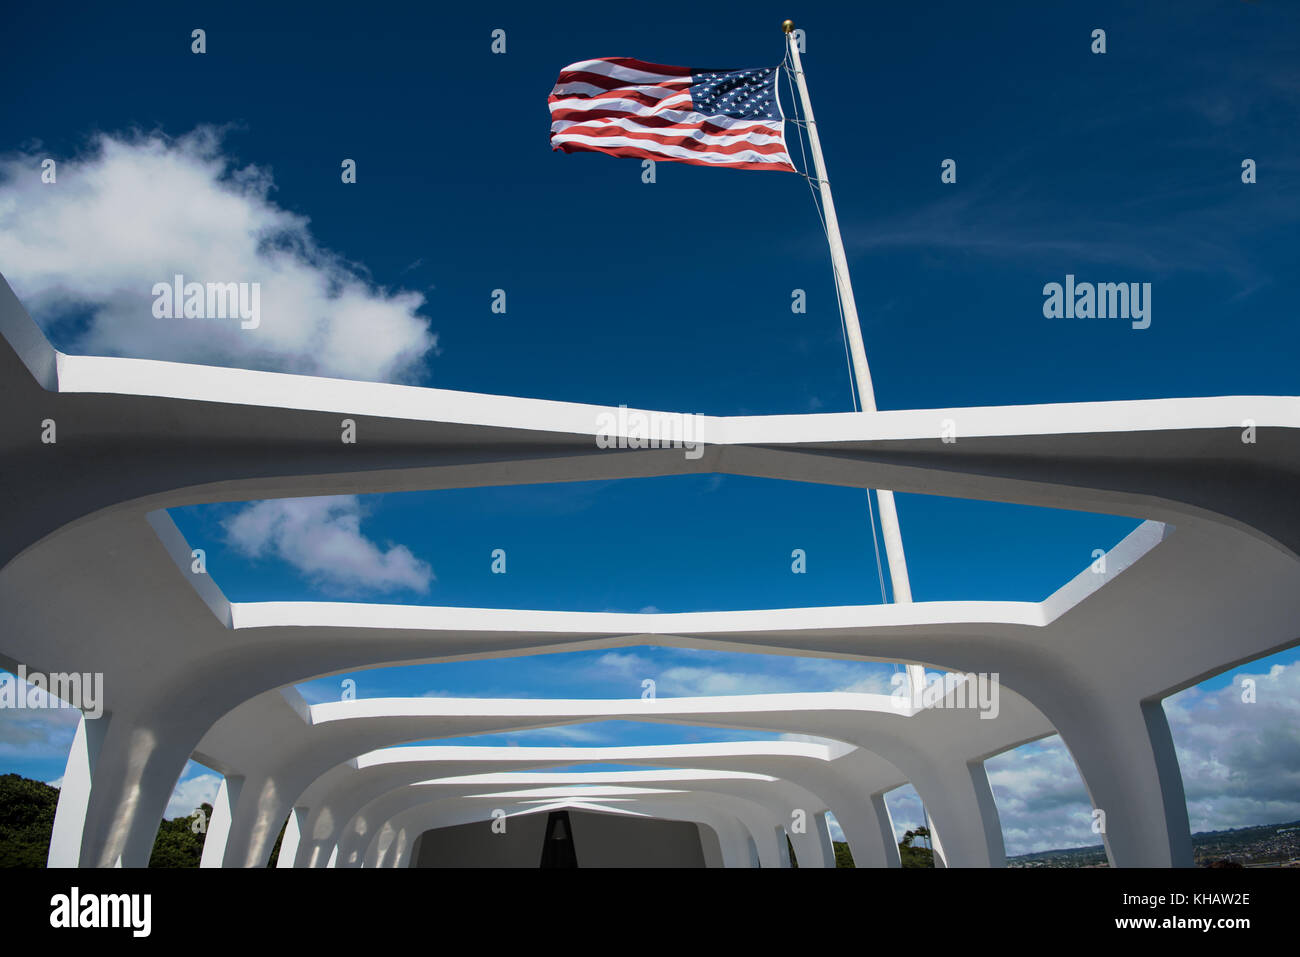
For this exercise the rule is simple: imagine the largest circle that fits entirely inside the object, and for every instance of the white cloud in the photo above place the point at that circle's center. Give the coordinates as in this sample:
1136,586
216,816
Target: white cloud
905,810
1041,800
137,209
190,793
1240,765
1240,761
686,681
873,683
829,674
565,733
622,664
770,675
837,832
321,538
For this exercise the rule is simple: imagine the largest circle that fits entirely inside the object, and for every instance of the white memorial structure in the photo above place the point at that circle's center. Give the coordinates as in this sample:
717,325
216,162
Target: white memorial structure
95,577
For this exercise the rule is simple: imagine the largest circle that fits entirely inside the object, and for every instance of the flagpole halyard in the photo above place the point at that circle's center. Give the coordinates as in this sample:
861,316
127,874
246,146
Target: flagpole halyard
889,528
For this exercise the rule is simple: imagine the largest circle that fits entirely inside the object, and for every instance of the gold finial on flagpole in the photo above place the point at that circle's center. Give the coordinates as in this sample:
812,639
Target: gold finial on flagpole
788,26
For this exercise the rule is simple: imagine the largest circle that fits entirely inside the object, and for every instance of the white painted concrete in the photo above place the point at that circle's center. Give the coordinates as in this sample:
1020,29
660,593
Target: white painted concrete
94,578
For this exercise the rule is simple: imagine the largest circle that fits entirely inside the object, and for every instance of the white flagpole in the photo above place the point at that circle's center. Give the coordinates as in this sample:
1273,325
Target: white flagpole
889,529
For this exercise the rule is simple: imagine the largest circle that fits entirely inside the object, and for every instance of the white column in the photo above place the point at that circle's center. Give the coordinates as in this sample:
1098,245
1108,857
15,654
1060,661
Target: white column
736,842
260,809
1125,755
74,793
223,810
137,769
711,845
292,838
119,776
963,820
827,846
399,853
782,848
937,855
885,832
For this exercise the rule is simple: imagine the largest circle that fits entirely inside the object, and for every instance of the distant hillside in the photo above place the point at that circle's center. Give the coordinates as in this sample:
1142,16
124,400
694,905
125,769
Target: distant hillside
1260,844
26,820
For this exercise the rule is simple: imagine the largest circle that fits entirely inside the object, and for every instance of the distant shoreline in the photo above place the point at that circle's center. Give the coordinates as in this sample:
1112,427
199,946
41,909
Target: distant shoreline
1255,845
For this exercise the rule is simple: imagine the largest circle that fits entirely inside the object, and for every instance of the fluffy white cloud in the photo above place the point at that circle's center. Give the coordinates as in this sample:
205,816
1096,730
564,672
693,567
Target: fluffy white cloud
1041,799
593,734
1240,760
905,810
837,832
766,675
687,681
321,538
138,209
191,792
622,664
1240,764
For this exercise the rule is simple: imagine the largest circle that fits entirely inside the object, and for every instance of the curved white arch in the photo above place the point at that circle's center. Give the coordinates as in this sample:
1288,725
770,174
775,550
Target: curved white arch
139,436
847,780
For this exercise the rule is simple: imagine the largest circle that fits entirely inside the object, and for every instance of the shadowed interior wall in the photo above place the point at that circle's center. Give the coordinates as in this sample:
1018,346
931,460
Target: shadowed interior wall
601,840
608,840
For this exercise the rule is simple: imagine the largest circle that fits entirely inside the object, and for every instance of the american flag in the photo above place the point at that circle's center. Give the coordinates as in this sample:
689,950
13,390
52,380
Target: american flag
626,107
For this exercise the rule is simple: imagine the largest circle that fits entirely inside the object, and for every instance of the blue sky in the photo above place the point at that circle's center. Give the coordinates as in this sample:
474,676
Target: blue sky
1122,167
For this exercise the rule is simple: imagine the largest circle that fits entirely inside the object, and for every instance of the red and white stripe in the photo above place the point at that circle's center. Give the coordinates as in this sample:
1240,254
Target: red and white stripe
627,107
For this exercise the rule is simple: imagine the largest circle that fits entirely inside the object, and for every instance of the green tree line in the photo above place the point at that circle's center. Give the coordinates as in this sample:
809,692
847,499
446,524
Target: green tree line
27,820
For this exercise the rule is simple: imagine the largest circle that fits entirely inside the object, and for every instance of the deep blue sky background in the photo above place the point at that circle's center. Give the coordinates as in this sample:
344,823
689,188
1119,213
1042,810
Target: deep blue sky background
1124,166
1119,167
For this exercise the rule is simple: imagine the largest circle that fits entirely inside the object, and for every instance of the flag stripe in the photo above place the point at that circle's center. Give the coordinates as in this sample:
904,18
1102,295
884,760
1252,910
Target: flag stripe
666,118
719,144
626,107
625,101
600,81
628,67
673,151
637,152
